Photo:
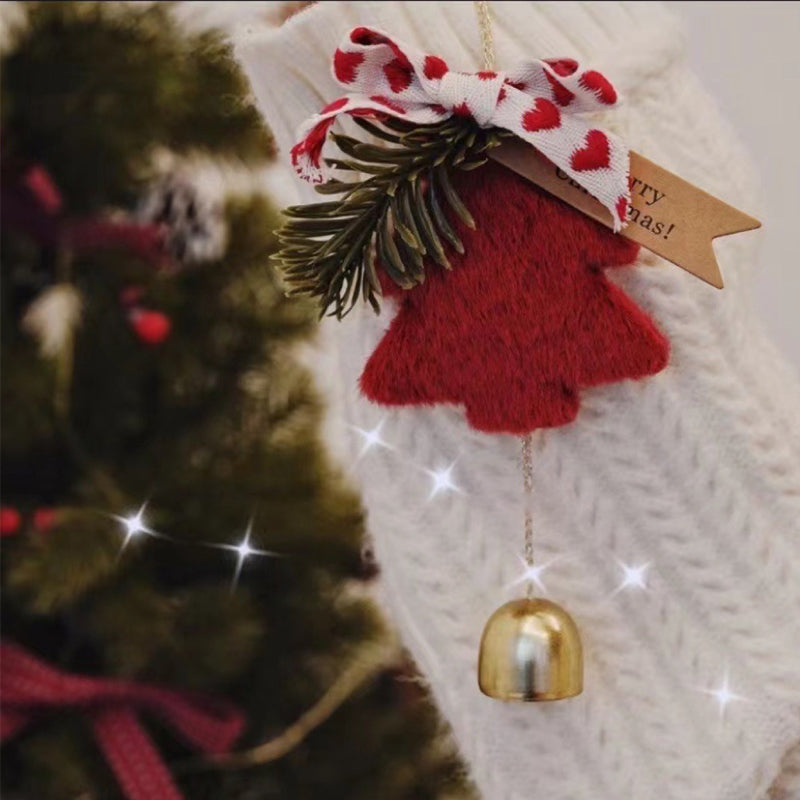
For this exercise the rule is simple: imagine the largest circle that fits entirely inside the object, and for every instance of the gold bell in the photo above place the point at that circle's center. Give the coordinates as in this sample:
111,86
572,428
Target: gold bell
530,650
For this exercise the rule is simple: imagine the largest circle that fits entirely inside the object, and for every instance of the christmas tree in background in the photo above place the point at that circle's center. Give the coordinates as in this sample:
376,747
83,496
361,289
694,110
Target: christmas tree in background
160,445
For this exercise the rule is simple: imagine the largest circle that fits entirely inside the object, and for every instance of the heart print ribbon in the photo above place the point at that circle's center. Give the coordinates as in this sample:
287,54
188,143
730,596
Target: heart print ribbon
541,102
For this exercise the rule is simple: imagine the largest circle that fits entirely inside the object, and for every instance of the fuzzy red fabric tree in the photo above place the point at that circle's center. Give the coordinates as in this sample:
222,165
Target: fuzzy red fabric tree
524,319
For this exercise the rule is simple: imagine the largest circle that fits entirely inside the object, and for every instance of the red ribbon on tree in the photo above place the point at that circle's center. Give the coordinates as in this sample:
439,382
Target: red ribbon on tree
32,203
30,687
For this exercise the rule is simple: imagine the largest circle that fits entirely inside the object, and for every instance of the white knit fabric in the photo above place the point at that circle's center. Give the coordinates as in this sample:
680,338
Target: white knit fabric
695,472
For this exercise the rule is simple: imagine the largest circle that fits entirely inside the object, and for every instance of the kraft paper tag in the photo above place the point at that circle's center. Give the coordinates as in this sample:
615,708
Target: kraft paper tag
667,215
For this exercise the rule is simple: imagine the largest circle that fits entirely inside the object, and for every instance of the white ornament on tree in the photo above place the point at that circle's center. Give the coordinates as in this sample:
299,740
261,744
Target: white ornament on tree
53,317
195,224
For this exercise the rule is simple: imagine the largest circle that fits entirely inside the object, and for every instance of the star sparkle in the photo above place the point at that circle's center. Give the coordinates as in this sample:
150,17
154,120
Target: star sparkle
134,525
633,577
243,551
372,438
532,574
442,481
723,694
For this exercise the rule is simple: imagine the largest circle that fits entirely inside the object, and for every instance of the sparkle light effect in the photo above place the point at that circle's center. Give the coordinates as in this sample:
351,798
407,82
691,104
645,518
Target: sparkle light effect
532,573
372,438
723,694
243,551
134,525
634,577
442,481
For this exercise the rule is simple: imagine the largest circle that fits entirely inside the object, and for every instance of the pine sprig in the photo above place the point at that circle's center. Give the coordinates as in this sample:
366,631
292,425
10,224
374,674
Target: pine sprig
395,218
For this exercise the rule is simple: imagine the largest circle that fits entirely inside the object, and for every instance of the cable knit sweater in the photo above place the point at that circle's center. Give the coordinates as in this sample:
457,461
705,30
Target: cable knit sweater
694,472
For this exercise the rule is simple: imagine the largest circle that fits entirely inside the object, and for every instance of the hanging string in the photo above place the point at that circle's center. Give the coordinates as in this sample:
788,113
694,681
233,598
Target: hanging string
487,48
527,482
485,26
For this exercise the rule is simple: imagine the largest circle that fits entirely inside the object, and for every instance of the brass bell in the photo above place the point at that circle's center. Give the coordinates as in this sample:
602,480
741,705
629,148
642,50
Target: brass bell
530,650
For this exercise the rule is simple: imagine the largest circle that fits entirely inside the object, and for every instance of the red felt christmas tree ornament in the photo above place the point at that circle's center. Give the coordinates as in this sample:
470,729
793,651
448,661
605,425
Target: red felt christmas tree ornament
503,305
523,320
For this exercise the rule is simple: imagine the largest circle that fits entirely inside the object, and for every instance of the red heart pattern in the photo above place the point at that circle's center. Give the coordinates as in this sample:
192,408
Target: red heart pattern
434,68
595,154
622,207
539,101
335,105
345,65
562,95
542,117
398,75
562,66
600,85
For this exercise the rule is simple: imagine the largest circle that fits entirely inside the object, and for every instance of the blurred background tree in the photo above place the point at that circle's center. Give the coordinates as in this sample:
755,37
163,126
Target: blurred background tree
155,418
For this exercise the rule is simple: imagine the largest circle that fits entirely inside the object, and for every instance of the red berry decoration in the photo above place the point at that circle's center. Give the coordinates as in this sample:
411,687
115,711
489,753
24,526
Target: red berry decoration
151,327
41,186
523,320
44,519
131,296
10,521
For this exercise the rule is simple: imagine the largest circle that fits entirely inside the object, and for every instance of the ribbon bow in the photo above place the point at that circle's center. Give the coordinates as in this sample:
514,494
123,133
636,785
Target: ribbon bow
30,686
538,101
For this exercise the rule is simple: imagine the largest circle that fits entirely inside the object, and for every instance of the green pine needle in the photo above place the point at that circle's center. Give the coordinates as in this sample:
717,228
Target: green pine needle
395,216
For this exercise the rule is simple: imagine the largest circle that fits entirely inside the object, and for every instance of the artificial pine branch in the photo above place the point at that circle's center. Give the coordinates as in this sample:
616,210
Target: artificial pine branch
394,217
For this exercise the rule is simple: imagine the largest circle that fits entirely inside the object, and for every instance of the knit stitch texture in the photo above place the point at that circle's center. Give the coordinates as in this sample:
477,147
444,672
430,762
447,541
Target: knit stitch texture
693,472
